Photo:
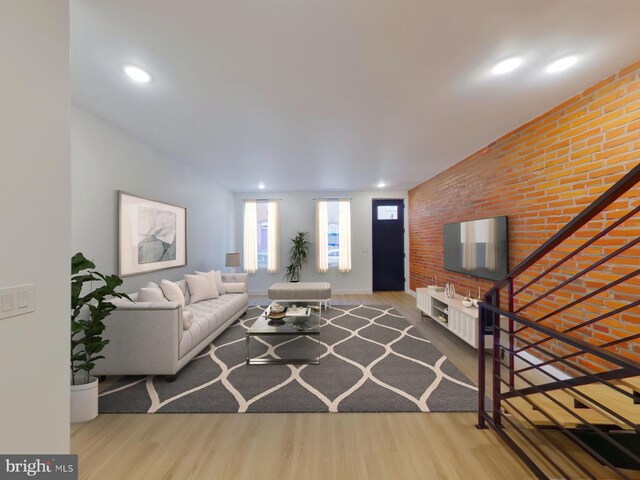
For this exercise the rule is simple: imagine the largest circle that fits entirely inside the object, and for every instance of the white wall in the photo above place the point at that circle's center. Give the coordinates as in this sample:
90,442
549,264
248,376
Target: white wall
298,213
35,213
105,160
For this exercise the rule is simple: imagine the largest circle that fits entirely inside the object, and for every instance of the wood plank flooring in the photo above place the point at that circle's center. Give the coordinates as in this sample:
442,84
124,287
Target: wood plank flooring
309,446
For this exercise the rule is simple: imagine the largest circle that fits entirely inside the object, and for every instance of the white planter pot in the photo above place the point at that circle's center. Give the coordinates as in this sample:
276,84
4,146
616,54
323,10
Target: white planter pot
84,401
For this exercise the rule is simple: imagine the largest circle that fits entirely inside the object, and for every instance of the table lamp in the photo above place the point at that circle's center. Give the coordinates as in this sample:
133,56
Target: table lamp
233,261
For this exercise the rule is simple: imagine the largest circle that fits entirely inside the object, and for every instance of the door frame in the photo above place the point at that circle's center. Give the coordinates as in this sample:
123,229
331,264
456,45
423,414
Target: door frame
404,196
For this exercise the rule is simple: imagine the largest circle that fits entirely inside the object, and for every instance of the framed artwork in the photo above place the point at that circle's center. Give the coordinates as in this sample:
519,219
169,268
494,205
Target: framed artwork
152,235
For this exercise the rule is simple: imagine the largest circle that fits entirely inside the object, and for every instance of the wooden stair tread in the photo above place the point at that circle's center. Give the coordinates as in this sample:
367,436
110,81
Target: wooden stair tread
563,417
630,382
615,401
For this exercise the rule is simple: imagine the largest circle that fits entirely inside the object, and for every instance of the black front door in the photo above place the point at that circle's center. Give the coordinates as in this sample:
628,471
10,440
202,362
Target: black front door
388,245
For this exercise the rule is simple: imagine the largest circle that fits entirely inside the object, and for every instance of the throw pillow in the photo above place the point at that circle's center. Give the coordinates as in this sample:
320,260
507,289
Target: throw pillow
172,292
200,288
235,287
221,289
215,276
185,290
187,319
211,277
147,294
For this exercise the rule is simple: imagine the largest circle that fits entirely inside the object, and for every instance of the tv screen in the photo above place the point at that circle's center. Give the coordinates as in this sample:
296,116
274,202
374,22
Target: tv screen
477,247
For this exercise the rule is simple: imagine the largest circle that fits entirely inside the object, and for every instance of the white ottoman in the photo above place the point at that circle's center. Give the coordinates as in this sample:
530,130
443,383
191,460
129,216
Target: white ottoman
302,291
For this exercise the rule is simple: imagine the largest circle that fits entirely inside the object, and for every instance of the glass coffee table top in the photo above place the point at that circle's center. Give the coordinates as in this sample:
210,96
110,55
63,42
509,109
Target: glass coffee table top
293,325
305,322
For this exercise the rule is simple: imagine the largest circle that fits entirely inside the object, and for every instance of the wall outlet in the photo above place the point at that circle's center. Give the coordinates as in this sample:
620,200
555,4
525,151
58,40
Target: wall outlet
17,300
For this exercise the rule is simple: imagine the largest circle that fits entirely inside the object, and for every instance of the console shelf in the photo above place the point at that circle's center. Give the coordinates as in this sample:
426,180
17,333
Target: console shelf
451,314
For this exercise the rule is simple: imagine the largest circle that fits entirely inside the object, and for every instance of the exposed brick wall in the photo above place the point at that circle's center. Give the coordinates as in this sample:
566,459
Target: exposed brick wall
542,175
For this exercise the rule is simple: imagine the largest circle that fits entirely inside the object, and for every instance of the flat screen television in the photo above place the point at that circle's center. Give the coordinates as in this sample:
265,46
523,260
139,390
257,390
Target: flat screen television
477,247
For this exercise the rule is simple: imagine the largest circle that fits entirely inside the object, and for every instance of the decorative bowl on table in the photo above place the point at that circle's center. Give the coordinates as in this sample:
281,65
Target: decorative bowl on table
467,302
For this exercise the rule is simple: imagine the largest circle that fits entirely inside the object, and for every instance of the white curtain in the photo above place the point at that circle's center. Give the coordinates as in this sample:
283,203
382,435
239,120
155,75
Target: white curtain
250,237
322,236
273,232
344,219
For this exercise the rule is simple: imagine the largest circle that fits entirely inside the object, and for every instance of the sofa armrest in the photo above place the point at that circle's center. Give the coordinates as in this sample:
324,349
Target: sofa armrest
143,339
236,278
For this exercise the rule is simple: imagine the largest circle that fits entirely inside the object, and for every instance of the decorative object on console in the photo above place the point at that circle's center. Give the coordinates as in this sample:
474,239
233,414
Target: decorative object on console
298,255
449,290
86,333
152,235
466,301
232,260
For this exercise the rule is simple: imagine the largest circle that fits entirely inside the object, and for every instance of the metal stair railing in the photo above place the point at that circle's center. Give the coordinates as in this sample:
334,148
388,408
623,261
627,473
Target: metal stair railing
548,323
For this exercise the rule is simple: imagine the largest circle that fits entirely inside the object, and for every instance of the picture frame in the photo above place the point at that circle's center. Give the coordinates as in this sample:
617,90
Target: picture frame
152,235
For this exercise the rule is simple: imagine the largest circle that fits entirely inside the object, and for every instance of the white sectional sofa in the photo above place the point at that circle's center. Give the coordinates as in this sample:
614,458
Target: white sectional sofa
147,338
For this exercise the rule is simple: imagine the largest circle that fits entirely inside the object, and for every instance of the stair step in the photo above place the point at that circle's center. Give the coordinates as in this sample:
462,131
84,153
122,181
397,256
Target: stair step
613,400
563,417
630,382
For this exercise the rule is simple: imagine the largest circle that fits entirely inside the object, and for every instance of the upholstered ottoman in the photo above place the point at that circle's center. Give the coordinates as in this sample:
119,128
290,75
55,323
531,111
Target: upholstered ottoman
302,291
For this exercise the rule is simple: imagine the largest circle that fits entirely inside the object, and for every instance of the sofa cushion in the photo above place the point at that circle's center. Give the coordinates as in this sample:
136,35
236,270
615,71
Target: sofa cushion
235,287
172,292
209,315
201,288
149,294
185,291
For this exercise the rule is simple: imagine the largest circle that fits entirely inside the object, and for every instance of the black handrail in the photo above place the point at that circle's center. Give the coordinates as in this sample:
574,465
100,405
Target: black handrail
607,198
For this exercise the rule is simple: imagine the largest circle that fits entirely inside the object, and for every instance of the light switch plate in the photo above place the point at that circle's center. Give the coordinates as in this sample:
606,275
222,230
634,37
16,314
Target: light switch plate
17,300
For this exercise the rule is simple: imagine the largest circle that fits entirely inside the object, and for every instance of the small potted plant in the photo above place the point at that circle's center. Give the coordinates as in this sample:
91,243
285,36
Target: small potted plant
298,254
88,311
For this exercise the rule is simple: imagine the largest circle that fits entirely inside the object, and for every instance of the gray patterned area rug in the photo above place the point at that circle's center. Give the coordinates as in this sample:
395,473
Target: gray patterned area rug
373,360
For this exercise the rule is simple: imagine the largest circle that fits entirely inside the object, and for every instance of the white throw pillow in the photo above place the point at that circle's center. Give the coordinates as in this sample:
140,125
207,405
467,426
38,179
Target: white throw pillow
200,288
216,277
235,287
211,277
221,289
187,319
172,292
149,294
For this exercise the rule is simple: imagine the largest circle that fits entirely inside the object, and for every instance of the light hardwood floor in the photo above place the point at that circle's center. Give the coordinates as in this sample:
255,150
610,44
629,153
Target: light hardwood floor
305,446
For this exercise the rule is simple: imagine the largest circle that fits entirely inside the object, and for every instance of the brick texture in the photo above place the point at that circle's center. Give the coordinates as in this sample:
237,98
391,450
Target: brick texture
542,175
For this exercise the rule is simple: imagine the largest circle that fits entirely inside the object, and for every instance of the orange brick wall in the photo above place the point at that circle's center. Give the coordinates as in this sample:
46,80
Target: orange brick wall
542,175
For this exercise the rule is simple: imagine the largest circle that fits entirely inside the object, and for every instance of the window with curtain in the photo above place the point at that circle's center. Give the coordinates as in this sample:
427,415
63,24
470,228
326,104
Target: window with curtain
261,235
333,235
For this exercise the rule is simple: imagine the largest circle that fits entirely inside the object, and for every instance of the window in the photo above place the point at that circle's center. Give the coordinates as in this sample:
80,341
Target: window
261,235
333,235
387,212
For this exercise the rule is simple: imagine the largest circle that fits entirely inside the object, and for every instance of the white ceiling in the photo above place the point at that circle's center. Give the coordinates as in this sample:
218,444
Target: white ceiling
336,94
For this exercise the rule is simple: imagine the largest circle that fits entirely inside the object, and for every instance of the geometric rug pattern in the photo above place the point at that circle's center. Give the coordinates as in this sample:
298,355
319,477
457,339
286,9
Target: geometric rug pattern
372,360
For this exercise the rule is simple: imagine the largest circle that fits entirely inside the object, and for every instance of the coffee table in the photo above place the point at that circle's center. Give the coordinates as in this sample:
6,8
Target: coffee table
308,325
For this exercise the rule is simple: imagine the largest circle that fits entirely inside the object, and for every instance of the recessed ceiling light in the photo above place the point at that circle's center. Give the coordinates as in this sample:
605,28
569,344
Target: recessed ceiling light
136,73
561,64
261,186
507,65
381,185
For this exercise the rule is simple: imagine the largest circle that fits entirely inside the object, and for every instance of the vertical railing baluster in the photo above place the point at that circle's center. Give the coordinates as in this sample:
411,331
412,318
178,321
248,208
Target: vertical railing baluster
497,419
481,367
511,339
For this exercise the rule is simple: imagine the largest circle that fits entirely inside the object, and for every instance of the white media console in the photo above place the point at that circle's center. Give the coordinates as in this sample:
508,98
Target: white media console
451,314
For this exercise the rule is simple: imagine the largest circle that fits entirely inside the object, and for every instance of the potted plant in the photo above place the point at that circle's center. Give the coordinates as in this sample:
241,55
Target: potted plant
88,311
298,254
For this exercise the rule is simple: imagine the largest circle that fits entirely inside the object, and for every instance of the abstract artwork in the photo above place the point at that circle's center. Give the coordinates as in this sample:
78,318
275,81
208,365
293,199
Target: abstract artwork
152,235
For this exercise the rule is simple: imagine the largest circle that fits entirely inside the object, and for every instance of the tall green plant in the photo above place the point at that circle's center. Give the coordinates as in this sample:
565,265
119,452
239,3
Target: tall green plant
298,255
86,333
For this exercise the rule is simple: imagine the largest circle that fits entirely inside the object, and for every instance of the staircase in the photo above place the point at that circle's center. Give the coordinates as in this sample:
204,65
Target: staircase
565,327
